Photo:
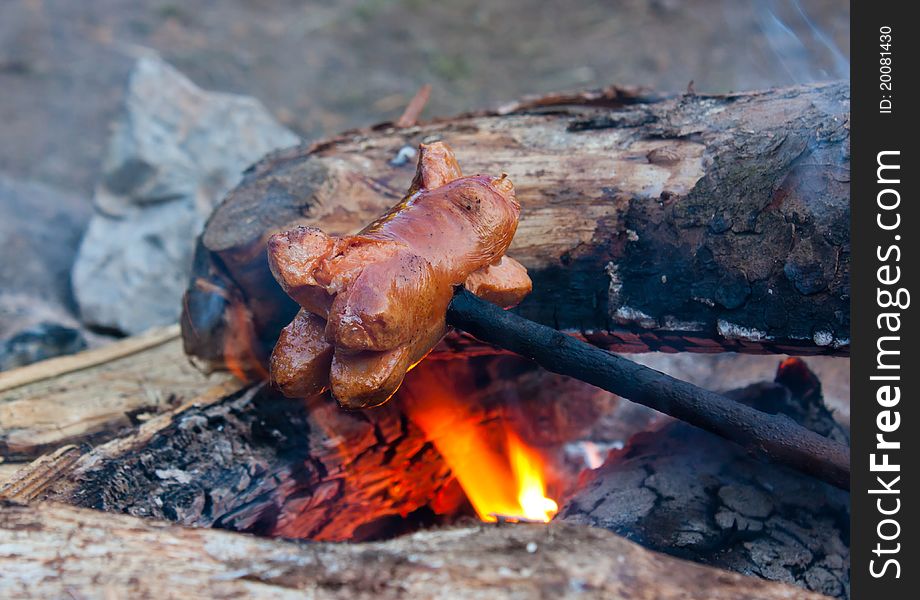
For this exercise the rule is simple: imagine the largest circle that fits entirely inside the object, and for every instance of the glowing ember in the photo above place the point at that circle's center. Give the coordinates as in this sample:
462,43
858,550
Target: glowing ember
501,476
240,354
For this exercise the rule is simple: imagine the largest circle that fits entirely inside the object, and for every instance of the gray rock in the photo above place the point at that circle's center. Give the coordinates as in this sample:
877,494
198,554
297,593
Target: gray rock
45,340
173,155
39,235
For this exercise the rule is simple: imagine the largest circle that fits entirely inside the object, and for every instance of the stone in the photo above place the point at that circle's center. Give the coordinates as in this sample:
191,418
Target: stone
173,155
45,340
39,236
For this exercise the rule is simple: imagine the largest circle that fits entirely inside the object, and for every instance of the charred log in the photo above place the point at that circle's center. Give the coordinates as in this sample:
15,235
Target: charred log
703,223
251,460
258,462
688,493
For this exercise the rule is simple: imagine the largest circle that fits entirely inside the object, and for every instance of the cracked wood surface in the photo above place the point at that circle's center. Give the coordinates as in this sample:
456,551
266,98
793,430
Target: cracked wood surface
50,550
705,223
688,493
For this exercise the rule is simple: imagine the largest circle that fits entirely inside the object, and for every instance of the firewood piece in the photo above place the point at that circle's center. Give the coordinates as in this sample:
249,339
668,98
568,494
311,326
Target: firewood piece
63,365
60,551
8,471
27,484
706,223
774,437
273,465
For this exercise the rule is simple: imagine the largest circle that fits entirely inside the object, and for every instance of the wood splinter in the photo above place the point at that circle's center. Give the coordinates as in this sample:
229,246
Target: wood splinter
376,303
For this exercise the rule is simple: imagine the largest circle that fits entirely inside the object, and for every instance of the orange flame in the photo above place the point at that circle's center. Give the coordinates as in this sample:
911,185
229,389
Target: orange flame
528,473
501,476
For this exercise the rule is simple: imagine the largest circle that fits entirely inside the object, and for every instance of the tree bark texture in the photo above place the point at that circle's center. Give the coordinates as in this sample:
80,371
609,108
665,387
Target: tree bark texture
51,550
706,223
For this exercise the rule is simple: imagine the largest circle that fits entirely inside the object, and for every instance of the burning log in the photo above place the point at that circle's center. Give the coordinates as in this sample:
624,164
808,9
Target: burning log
248,459
374,304
60,551
257,462
704,223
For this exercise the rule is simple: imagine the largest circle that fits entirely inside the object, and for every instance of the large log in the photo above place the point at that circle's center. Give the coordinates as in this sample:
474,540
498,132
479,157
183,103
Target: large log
55,551
704,223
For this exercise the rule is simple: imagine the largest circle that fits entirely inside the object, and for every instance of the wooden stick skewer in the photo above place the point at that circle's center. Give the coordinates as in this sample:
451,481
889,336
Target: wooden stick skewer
776,437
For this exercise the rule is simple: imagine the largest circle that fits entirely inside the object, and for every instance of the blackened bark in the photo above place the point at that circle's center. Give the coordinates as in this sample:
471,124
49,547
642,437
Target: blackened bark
688,493
262,463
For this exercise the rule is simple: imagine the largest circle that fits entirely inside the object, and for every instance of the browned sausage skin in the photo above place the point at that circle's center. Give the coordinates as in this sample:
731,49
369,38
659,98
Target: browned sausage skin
381,296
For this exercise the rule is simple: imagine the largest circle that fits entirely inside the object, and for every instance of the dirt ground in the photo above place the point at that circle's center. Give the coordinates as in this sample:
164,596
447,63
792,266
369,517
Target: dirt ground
322,66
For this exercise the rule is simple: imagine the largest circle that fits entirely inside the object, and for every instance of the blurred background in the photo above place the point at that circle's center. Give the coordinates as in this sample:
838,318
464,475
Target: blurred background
324,66
71,87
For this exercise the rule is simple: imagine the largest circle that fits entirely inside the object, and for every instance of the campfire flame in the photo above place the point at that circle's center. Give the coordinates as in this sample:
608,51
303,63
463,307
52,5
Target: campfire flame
502,477
528,474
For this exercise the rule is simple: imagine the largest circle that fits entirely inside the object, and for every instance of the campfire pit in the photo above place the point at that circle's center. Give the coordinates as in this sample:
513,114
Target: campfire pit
662,266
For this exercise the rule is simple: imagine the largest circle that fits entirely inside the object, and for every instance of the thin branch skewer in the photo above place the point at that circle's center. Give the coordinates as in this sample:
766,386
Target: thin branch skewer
776,437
